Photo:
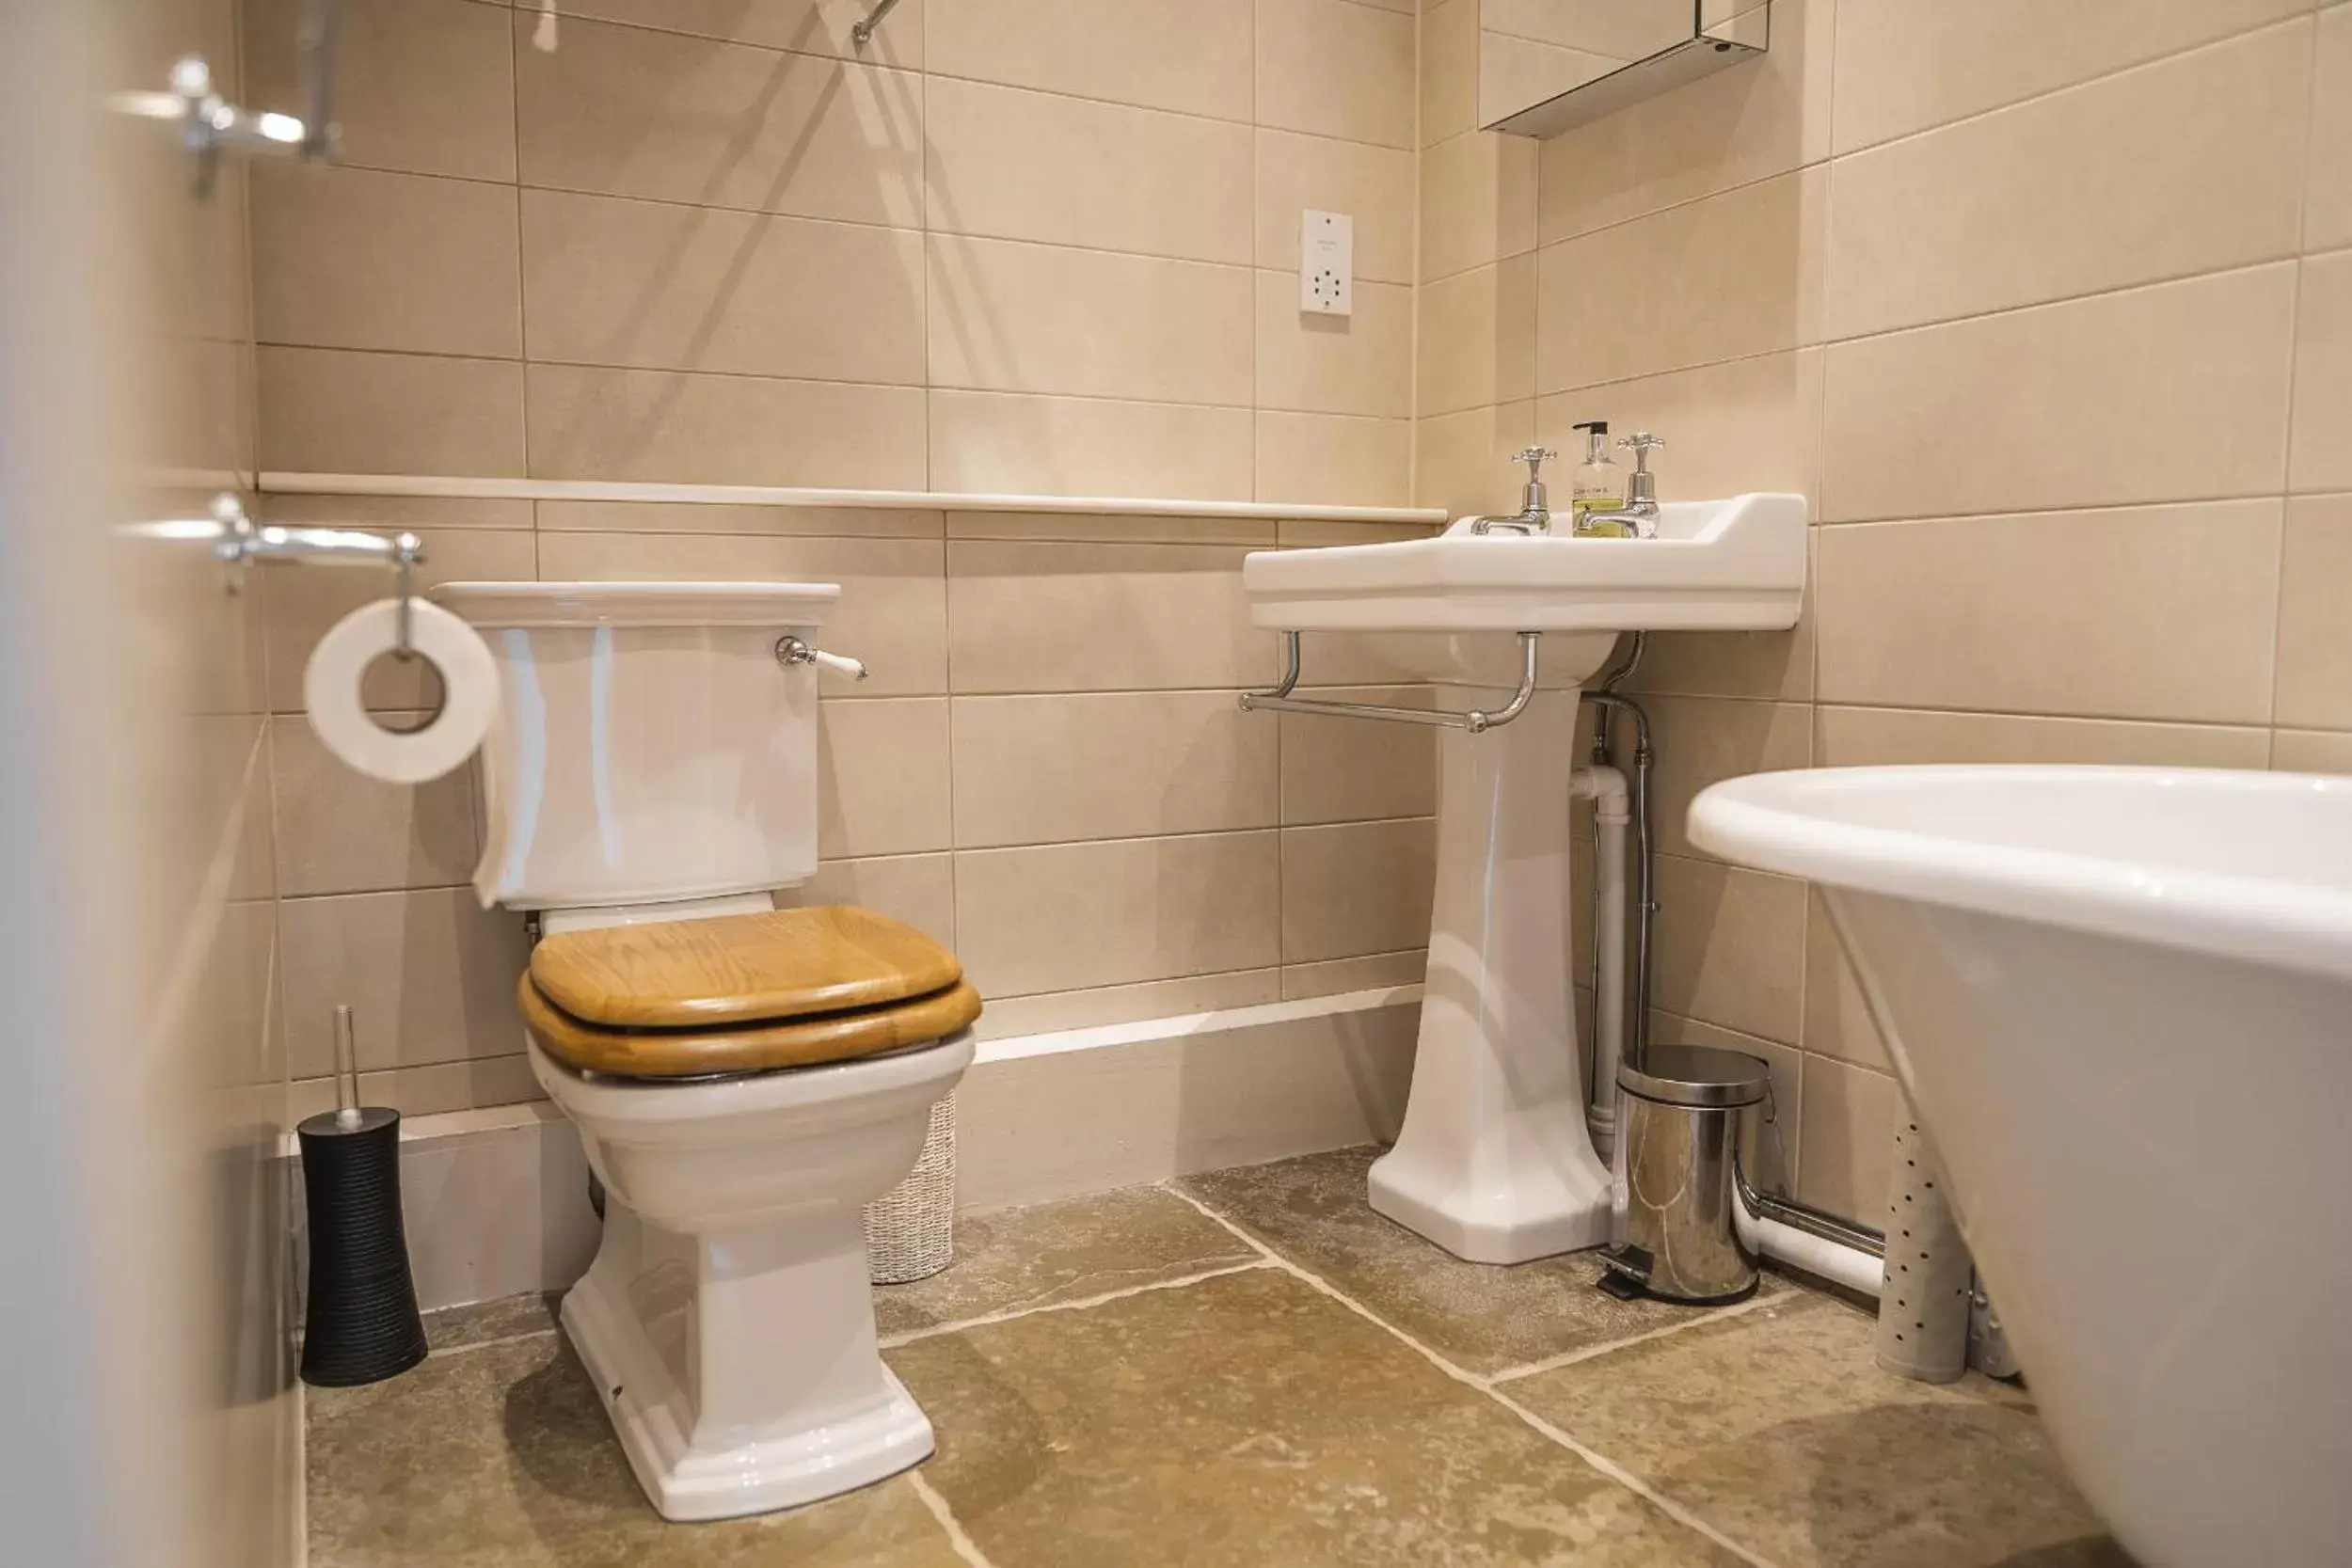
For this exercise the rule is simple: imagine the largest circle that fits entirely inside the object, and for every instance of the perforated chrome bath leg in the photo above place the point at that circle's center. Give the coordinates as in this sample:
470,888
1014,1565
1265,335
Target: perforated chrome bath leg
1923,1311
1988,1341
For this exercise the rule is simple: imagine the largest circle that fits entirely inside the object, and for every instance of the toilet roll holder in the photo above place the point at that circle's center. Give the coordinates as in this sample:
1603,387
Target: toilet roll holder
239,539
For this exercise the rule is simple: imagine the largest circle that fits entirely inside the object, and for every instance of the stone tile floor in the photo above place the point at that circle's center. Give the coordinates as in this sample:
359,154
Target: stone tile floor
1249,1368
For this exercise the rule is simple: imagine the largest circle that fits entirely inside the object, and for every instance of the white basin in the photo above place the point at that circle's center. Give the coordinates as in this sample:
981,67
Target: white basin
1727,566
2122,999
1495,1162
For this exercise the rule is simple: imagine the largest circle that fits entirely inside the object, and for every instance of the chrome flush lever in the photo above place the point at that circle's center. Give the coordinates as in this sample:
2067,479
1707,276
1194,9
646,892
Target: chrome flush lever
791,651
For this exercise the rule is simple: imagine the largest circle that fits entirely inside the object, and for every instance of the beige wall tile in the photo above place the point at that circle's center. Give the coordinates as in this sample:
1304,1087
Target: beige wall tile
1730,947
429,978
1448,70
917,889
1123,178
1837,1021
1902,67
805,27
299,605
1347,770
427,86
1477,202
1333,459
1734,274
1113,764
1371,184
675,427
1085,1009
1027,318
2322,442
1307,533
1775,1150
1477,338
393,512
1069,916
1357,888
2328,201
2078,192
1336,68
327,411
1336,976
1059,617
425,1091
349,258
1751,424
341,831
621,111
1188,55
2158,393
1110,528
1752,664
2315,614
1846,1147
1462,462
1021,445
892,612
2311,752
1705,741
1355,364
654,286
883,777
2158,612
1869,736
1735,127
857,522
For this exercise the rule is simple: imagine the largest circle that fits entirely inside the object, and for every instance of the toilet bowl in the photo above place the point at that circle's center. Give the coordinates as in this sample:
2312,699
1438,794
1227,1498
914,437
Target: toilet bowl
745,1079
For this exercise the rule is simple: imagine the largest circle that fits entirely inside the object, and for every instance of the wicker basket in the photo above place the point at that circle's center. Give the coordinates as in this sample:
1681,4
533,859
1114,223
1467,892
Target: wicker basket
911,1229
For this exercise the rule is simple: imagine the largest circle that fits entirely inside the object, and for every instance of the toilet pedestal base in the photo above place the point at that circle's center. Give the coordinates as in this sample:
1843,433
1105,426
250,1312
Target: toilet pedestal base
1494,1162
741,1369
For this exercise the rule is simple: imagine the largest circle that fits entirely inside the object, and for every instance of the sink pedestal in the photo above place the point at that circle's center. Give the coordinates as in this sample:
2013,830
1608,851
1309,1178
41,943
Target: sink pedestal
1494,1162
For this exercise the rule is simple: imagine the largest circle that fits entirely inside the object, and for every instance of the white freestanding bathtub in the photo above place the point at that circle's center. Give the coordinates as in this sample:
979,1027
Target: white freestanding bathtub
2122,999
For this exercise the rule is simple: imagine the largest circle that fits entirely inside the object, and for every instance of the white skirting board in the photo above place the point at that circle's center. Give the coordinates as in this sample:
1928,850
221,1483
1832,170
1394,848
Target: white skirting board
495,1201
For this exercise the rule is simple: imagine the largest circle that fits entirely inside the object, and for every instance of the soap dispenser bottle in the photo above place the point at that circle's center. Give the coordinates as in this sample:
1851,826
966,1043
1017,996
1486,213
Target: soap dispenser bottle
1598,485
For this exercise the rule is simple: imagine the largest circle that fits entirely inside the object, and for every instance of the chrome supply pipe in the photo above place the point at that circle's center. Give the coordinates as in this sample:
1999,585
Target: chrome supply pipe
1608,702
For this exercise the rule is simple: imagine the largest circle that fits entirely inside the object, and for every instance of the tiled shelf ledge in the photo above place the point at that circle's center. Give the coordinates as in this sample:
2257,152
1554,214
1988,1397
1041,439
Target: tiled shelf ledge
445,488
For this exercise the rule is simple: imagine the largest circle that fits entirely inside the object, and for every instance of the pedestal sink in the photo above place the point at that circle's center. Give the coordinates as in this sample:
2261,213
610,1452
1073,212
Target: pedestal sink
1494,1162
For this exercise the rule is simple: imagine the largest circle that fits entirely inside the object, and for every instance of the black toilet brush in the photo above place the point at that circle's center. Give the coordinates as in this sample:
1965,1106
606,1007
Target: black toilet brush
362,1324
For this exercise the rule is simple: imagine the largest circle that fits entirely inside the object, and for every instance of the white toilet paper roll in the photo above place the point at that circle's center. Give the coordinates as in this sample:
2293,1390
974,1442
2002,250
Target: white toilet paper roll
470,688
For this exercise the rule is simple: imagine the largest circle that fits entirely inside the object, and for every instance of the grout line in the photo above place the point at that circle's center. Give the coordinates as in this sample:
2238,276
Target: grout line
1622,1477
960,1542
893,1341
1631,1482
1664,1331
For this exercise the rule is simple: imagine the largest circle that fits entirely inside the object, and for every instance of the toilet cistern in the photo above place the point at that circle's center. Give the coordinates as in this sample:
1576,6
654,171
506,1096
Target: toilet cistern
1495,1162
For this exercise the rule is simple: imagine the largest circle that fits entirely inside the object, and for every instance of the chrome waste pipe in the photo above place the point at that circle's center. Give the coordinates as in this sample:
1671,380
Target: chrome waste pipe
1778,1226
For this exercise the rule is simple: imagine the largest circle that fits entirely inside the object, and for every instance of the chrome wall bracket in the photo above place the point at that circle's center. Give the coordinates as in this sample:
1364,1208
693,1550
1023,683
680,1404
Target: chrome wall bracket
862,33
211,127
1477,721
238,539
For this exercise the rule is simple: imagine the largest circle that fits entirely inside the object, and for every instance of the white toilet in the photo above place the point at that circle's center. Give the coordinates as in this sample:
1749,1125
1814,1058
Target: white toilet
744,1079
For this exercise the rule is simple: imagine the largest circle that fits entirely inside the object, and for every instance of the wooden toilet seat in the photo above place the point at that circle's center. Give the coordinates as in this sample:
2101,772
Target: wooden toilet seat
741,993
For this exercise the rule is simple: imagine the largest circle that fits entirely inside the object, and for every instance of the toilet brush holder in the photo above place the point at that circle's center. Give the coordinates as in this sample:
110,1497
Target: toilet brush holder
362,1324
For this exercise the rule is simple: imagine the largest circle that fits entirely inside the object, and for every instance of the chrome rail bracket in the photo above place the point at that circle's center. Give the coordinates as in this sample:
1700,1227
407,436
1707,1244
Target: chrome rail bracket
862,33
238,539
1277,699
